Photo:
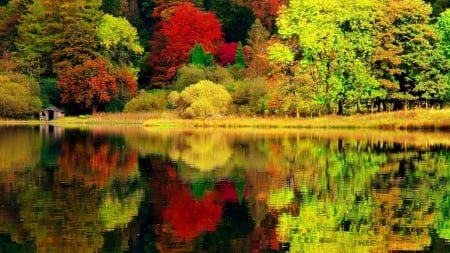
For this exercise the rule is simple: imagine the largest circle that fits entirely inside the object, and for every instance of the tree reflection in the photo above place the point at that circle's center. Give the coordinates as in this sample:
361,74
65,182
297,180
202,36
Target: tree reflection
67,209
94,161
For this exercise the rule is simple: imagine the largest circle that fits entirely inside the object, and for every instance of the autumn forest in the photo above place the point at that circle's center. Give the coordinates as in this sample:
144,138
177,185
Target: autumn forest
208,58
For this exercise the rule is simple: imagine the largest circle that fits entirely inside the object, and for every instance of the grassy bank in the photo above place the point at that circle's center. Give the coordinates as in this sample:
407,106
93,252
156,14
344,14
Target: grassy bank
417,119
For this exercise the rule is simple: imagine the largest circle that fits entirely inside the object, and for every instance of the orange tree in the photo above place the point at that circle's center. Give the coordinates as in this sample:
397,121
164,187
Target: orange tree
92,84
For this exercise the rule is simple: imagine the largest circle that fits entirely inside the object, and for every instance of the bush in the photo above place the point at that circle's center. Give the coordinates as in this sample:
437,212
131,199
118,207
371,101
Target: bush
147,101
19,96
247,93
188,75
201,100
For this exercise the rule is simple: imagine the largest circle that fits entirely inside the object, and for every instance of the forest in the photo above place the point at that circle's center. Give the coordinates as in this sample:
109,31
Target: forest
210,58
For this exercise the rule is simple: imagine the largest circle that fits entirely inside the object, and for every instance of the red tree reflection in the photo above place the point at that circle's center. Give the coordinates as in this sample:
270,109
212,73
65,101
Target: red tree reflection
188,216
92,163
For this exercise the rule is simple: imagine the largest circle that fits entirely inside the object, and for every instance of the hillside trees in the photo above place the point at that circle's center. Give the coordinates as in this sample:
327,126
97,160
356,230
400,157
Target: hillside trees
364,53
411,68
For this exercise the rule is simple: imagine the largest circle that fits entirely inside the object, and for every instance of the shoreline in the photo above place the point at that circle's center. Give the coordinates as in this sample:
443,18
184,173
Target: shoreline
433,120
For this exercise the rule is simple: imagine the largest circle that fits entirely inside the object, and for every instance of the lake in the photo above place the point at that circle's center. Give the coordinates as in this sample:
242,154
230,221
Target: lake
136,189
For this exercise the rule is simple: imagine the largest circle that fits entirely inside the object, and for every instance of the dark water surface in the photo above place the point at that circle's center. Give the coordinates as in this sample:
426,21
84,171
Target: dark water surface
132,189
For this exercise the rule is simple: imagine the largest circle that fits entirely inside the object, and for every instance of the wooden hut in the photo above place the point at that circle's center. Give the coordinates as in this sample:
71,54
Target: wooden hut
51,113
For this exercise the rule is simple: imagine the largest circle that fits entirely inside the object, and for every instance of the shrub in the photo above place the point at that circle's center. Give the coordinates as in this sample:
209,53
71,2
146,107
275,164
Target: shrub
201,100
247,93
19,96
146,101
188,75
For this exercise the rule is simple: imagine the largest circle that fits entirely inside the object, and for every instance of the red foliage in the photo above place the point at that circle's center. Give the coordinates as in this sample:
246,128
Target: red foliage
227,53
127,84
187,26
88,85
227,191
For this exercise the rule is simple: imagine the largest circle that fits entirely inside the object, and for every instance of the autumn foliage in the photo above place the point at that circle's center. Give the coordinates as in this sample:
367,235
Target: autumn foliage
187,27
93,84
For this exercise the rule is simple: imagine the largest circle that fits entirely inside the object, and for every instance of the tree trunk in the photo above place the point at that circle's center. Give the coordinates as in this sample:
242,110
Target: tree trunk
340,108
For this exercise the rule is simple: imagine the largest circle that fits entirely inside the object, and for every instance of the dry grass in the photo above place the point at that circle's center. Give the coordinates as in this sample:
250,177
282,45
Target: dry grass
417,119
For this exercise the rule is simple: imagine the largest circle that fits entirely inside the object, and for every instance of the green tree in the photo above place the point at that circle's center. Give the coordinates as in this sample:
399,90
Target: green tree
198,55
119,42
78,43
239,60
407,61
37,32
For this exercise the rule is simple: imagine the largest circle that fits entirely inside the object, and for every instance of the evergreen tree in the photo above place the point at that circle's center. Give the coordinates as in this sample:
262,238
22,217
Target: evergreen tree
198,55
239,60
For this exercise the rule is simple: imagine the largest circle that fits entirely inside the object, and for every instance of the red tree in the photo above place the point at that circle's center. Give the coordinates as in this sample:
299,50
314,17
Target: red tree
227,53
187,26
90,85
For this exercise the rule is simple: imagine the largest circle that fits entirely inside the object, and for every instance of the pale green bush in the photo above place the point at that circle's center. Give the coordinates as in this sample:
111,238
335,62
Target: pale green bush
146,101
19,96
202,100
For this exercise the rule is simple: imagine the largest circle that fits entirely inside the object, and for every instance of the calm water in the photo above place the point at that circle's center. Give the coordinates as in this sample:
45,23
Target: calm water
154,190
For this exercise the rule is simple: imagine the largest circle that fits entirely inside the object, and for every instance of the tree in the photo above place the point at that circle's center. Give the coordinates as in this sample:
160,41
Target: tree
37,32
327,39
258,64
119,42
9,19
201,100
89,85
198,56
78,42
186,27
239,60
227,54
265,12
407,60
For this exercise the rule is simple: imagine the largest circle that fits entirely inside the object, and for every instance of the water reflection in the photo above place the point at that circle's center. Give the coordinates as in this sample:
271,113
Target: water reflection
208,190
78,186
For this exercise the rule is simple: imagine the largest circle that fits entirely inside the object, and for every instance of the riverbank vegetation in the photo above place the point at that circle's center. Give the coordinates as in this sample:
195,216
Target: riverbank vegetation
406,120
350,64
